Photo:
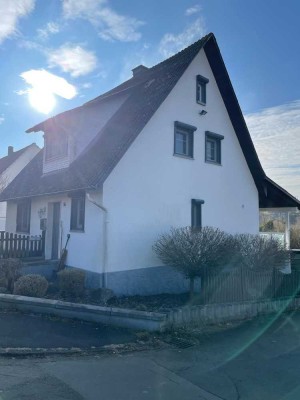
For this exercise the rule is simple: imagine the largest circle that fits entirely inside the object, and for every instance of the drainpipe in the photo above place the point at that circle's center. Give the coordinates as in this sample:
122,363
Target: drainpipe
105,223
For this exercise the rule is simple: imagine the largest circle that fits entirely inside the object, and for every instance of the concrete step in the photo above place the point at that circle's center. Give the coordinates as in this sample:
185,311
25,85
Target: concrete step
46,268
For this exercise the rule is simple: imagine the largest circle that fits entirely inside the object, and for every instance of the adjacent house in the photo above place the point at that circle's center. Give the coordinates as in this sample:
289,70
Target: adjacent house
168,147
10,166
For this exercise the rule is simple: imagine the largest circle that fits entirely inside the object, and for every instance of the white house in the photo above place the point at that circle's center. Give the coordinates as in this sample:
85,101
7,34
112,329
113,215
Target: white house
10,166
168,147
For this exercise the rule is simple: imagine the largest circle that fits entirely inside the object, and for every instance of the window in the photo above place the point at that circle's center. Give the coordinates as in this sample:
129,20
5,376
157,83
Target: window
184,139
201,89
213,147
23,216
197,213
56,145
77,213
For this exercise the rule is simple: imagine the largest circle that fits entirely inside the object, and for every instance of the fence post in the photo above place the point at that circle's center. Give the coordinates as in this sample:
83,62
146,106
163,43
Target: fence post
2,244
242,284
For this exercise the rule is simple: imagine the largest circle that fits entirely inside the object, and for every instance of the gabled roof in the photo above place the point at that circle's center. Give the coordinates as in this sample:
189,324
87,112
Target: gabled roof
146,92
7,161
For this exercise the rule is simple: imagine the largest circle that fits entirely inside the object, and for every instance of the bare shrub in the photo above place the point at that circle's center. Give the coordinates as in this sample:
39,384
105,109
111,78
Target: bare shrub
71,282
192,251
295,238
10,271
259,253
32,285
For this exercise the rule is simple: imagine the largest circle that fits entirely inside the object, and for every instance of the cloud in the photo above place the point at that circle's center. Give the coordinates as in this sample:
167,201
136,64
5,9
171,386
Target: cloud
171,44
72,59
30,45
11,12
43,86
40,78
109,24
193,10
86,85
2,119
50,29
276,135
21,92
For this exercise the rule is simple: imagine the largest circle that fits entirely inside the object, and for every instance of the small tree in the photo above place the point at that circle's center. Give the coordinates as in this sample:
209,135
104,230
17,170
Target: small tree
259,253
295,238
192,251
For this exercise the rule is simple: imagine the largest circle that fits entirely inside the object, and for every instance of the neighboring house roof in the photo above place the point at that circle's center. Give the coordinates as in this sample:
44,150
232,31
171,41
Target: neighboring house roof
146,92
7,161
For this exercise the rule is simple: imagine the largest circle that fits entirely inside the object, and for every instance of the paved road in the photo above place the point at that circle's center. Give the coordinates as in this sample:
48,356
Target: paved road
26,330
259,360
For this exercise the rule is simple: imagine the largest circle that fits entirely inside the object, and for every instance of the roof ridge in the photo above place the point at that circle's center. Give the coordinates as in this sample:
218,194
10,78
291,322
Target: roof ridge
17,151
184,50
147,73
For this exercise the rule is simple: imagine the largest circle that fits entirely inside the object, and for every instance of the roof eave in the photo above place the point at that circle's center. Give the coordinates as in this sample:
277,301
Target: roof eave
223,81
275,196
54,193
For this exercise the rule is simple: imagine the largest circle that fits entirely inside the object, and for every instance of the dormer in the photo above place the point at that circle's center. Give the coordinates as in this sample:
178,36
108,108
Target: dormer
59,151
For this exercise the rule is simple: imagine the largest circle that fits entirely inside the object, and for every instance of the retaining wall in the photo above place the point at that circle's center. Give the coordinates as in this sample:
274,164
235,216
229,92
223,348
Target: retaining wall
219,313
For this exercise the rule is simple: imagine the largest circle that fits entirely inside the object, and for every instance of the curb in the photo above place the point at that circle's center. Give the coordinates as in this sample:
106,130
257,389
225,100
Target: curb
26,351
127,318
62,351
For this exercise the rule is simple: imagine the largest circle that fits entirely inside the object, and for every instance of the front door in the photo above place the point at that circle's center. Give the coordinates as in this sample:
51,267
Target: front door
55,231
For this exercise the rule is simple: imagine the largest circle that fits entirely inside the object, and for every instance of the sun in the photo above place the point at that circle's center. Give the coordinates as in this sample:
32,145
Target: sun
42,100
44,87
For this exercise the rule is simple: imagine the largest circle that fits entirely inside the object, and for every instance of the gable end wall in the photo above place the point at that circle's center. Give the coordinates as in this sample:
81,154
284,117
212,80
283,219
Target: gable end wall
150,190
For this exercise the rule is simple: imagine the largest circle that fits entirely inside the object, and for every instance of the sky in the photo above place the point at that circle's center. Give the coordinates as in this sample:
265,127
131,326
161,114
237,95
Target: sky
58,54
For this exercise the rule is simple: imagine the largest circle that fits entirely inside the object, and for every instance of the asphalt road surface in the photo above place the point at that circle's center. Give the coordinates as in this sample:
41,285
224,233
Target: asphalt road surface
258,360
35,331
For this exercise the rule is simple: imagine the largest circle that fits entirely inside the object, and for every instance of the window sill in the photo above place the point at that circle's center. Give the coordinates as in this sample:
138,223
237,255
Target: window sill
55,158
183,156
201,103
213,163
77,231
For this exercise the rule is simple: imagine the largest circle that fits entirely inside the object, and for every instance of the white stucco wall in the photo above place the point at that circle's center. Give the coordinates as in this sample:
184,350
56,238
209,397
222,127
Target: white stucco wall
150,190
84,248
11,172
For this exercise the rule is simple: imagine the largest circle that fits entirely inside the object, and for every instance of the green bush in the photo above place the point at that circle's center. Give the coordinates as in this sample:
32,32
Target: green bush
71,282
10,271
32,285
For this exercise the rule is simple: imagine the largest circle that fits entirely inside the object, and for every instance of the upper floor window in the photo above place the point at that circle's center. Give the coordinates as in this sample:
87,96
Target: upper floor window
77,212
56,145
201,89
213,147
184,139
23,216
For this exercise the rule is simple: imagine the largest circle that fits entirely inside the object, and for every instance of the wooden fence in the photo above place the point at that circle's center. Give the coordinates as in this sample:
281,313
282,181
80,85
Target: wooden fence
20,246
245,285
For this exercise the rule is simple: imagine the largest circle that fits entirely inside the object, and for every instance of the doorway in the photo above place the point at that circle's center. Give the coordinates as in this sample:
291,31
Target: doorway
55,231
